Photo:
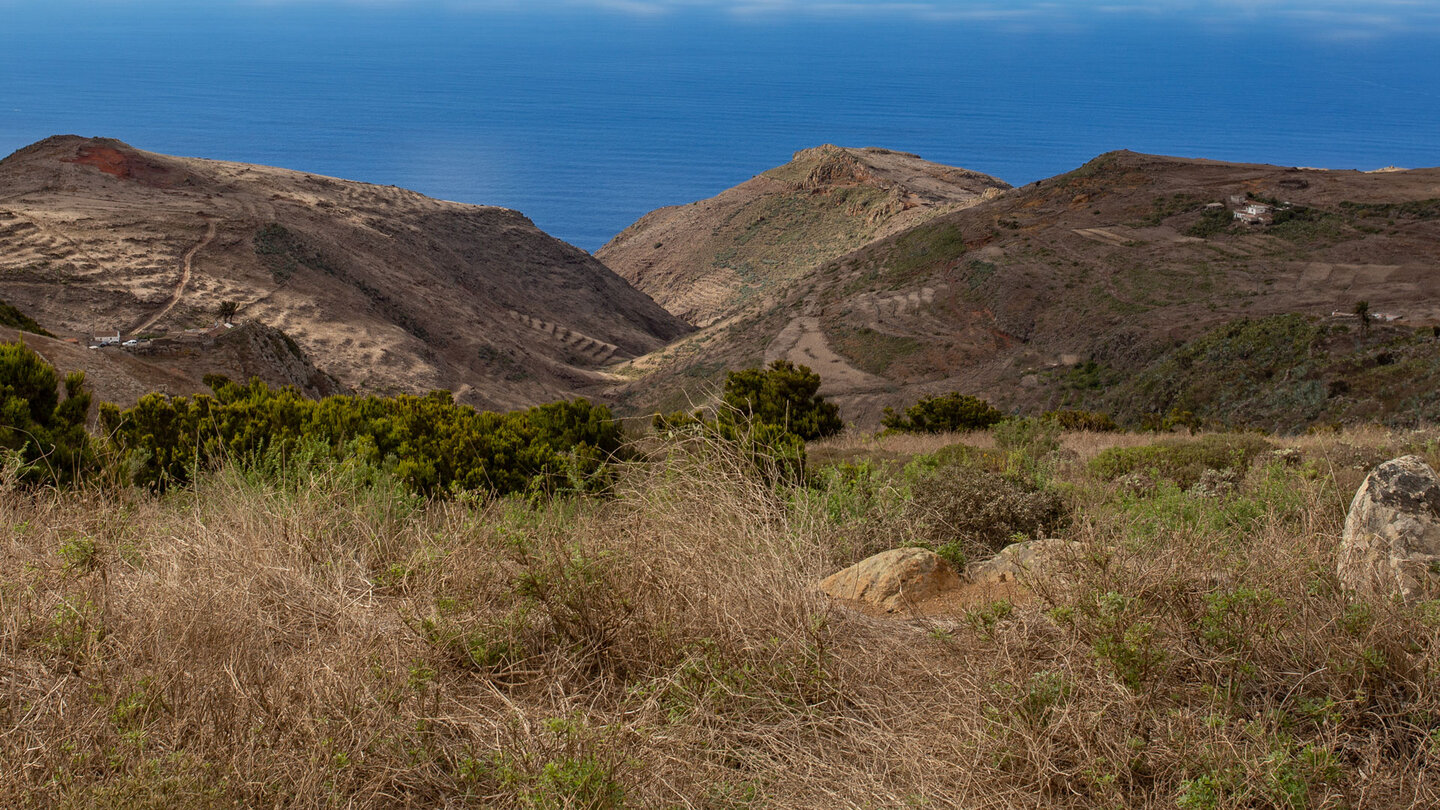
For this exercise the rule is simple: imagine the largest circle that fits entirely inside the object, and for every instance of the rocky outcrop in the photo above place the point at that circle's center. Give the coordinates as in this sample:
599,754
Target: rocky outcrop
1018,559
893,579
1391,544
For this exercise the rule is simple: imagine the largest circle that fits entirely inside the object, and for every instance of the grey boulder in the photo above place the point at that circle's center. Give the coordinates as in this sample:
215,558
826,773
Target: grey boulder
1391,544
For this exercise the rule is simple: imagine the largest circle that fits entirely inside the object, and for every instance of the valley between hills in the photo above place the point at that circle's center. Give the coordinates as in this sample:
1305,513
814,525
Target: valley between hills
1127,285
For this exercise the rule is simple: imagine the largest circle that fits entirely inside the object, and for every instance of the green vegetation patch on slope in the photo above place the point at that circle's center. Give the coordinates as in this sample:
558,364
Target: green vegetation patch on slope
15,319
1286,373
920,249
1415,209
781,234
431,443
283,252
1181,461
871,351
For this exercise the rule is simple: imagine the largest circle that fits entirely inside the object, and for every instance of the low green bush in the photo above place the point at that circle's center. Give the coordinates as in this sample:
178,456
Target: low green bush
966,512
943,413
1092,421
1028,437
43,433
783,395
777,453
955,455
1181,461
431,443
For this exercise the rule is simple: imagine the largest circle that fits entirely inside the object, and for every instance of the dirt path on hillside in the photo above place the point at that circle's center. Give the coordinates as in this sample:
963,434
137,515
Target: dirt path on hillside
185,265
803,342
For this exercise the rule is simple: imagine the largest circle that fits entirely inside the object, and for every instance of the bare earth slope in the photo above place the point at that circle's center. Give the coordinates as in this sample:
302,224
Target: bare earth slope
384,289
707,260
1112,263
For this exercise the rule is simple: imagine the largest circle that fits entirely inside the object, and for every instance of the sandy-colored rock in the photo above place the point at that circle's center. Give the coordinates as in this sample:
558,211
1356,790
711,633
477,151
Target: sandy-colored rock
893,579
1034,556
1391,544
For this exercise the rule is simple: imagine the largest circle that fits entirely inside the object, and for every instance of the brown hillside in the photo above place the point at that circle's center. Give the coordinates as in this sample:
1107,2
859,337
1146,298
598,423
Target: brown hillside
1114,262
707,260
178,368
383,289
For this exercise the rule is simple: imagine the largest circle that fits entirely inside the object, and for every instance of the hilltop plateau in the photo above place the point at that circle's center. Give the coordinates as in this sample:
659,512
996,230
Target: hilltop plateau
363,287
1076,290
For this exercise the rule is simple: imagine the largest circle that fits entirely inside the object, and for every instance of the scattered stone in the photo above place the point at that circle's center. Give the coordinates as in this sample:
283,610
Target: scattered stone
1035,556
893,579
1391,544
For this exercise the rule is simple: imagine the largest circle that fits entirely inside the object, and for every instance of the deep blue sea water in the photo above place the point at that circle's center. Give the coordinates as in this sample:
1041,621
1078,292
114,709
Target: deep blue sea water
586,115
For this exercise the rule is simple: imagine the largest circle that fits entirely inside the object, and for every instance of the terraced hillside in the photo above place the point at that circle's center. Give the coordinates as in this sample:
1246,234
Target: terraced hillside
382,289
1110,267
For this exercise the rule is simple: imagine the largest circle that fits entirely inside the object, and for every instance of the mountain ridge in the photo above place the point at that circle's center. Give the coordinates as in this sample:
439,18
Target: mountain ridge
1116,262
891,276
764,231
383,289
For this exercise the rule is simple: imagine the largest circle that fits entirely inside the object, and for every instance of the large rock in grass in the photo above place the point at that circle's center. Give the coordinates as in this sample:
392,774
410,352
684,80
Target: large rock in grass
893,579
1391,544
1032,557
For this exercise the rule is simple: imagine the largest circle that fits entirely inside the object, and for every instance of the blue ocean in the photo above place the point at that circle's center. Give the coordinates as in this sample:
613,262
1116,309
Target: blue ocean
586,115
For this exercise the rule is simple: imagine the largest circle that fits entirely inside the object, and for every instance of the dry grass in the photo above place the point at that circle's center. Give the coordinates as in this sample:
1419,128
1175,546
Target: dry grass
316,642
853,444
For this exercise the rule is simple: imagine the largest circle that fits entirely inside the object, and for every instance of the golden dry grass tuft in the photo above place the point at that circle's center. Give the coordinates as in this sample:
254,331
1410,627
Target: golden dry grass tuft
321,640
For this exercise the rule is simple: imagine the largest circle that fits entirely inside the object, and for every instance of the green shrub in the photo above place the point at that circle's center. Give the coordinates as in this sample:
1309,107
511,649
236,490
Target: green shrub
777,453
955,455
971,512
944,413
783,395
1213,221
1182,461
1028,435
431,443
1092,421
45,432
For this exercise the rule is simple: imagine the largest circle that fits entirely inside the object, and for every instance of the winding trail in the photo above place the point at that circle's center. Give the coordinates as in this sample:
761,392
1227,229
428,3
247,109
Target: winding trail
180,287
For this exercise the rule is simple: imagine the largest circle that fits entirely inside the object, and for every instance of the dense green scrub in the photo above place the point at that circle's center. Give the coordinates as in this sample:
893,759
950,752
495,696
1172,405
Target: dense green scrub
430,443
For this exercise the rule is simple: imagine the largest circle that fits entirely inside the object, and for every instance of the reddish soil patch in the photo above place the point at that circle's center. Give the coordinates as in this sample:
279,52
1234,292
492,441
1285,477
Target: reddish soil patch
124,166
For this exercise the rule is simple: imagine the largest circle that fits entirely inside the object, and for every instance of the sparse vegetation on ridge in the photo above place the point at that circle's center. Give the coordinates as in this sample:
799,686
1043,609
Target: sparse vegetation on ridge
15,319
1283,373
